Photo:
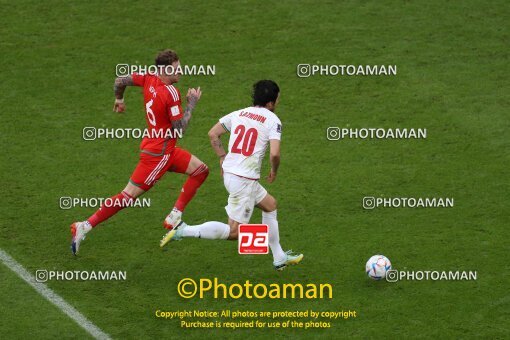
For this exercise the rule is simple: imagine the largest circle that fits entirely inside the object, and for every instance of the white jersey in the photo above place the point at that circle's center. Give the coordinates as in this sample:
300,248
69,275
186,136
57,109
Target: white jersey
250,131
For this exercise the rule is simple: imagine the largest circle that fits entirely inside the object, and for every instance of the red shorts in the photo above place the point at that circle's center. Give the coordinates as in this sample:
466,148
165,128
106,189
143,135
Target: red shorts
151,168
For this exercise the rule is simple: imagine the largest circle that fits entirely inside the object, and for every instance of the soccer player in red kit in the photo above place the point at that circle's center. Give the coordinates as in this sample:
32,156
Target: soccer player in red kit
159,153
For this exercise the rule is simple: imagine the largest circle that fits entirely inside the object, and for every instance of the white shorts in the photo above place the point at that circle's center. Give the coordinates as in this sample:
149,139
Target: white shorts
244,195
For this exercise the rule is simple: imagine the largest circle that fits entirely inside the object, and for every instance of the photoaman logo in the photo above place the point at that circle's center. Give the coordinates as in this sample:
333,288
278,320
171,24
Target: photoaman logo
189,288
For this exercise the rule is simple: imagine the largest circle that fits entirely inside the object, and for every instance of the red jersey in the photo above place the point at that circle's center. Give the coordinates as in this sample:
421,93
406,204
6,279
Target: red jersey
162,106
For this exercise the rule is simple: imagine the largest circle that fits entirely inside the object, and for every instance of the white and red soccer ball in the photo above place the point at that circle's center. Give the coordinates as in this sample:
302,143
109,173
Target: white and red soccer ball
377,267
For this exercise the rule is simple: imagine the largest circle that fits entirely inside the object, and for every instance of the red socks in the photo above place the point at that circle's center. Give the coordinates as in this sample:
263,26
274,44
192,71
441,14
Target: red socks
194,181
110,207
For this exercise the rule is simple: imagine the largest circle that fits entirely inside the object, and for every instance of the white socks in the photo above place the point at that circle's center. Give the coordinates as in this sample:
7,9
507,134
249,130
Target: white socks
269,218
208,230
220,231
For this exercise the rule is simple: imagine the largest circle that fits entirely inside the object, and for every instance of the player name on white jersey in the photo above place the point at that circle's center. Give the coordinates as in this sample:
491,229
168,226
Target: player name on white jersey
254,116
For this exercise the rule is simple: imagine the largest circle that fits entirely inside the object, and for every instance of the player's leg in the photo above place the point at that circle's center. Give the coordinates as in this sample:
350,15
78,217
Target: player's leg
146,173
185,163
115,204
269,216
211,230
239,209
268,206
122,200
234,229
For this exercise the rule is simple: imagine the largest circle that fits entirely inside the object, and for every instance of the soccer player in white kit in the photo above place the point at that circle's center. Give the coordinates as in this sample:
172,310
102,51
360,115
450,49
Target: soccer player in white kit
252,130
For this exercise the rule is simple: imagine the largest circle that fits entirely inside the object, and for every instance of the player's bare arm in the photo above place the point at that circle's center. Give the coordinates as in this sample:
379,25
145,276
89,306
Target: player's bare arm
192,97
274,159
215,138
119,86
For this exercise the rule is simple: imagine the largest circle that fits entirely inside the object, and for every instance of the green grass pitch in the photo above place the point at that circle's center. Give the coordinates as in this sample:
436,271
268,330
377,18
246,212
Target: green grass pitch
58,67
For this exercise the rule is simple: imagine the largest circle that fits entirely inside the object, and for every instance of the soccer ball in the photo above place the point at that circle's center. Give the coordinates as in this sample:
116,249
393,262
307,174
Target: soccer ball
377,266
